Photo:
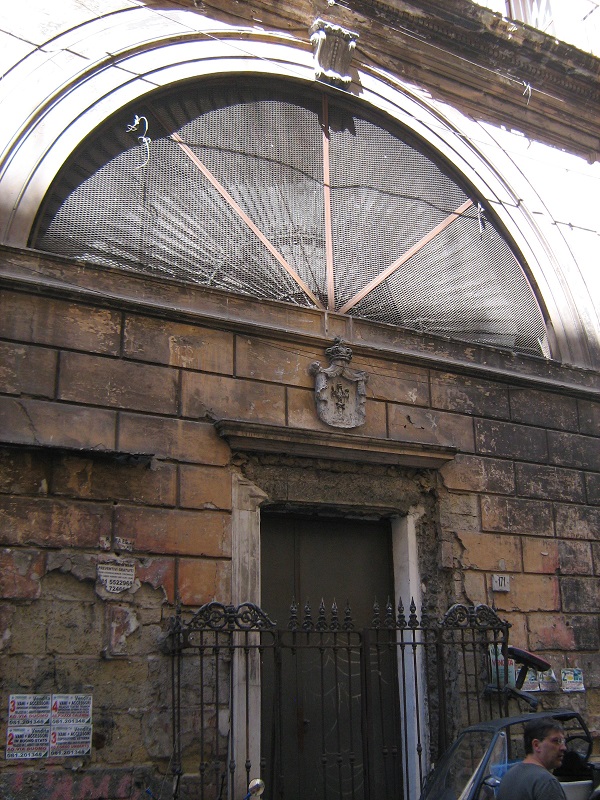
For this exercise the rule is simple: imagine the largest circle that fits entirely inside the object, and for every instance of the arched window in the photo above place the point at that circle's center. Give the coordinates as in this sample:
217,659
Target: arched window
289,194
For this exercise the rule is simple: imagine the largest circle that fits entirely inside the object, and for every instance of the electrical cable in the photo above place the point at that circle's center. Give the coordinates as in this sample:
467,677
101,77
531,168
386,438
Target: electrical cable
519,83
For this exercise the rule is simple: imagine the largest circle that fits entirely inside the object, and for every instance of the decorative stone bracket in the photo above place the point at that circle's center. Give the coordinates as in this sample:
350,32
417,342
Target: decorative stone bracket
333,49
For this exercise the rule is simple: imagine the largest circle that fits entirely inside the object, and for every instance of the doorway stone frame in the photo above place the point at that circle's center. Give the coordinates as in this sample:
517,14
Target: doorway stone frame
255,439
247,499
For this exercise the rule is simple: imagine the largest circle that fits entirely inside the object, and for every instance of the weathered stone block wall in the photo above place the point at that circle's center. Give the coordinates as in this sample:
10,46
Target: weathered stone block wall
98,468
109,453
525,503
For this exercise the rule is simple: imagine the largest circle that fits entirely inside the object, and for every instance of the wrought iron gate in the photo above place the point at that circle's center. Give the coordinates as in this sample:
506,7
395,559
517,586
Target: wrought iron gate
373,708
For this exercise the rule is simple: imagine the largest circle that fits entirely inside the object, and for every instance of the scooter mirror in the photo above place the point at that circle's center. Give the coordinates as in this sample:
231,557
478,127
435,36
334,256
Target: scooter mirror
256,787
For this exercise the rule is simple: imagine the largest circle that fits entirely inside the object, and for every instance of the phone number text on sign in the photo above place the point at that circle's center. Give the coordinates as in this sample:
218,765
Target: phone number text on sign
45,725
28,742
71,708
29,709
70,740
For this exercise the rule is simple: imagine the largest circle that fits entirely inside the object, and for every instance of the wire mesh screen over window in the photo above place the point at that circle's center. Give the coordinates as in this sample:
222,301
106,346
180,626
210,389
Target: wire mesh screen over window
295,198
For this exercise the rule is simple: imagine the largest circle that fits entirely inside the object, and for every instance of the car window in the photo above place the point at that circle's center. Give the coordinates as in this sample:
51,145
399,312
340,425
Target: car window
455,773
496,767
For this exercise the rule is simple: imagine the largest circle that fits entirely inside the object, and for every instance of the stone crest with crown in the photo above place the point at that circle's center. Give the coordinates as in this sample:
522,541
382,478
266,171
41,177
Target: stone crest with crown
340,391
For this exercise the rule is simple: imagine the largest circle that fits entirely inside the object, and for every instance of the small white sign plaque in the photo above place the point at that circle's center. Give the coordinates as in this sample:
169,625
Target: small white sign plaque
116,577
501,583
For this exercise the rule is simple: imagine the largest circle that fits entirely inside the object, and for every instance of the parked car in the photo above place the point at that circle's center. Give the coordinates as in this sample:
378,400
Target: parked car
473,766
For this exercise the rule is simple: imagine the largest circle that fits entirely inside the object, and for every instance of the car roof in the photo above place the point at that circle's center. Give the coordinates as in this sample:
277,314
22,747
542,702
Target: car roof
560,714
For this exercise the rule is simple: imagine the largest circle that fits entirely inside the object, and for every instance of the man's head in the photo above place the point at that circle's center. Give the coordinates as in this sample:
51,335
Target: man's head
544,740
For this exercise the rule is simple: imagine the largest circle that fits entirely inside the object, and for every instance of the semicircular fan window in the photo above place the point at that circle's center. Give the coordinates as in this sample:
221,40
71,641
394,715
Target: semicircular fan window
293,197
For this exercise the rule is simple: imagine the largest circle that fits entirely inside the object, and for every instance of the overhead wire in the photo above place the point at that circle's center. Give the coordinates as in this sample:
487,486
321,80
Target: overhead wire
591,11
519,83
529,90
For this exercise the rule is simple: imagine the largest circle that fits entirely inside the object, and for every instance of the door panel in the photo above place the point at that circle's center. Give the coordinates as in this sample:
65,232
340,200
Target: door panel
319,708
311,558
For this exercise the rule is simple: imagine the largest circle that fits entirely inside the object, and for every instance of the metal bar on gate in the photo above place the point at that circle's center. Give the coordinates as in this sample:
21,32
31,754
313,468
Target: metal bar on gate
415,668
323,745
504,694
203,763
494,673
481,642
384,748
426,669
441,682
397,759
176,690
232,753
404,711
352,756
217,749
277,739
338,698
248,762
393,701
463,648
366,710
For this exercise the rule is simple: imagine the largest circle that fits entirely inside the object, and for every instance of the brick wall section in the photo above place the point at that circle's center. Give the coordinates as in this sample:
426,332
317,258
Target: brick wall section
110,452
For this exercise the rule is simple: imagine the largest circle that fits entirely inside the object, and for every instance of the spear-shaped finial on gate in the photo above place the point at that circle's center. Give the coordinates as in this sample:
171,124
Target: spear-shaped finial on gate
401,618
293,621
307,622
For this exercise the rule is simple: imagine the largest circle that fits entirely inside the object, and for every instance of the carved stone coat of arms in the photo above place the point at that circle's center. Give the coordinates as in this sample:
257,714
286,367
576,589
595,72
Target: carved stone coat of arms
340,391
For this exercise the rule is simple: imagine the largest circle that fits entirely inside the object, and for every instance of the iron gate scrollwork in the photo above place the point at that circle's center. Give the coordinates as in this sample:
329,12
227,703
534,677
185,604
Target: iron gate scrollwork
344,713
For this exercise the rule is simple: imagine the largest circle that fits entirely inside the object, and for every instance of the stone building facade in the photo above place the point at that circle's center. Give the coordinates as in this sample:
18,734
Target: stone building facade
152,423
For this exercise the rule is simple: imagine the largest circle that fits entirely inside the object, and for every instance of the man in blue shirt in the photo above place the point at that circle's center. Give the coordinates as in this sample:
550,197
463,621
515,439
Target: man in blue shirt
532,779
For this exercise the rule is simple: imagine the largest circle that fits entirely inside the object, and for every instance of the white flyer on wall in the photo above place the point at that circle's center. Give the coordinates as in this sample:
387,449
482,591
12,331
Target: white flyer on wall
29,709
70,709
31,741
70,740
572,680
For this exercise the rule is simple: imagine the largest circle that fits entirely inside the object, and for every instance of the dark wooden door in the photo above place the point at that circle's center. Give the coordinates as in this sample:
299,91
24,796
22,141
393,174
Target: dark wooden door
319,704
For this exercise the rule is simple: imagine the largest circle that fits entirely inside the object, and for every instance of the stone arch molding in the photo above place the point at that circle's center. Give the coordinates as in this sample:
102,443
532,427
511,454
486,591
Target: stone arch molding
83,76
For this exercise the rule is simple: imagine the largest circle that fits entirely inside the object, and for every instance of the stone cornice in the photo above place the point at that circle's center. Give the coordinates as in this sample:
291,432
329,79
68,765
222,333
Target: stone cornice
459,28
460,52
254,437
465,30
39,273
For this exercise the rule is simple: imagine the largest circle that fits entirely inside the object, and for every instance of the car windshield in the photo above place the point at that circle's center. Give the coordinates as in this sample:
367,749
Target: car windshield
457,773
454,774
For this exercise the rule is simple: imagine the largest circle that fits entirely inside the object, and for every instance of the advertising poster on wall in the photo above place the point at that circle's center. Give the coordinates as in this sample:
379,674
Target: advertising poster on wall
48,726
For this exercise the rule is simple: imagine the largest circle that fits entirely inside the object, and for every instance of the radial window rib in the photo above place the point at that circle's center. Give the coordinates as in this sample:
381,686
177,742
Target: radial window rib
405,257
229,199
327,209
